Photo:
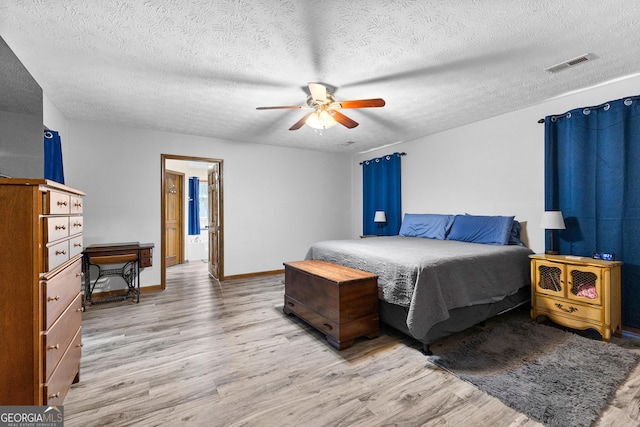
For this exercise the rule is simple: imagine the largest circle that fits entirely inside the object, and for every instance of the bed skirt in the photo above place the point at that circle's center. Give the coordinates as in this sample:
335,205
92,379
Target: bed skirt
459,318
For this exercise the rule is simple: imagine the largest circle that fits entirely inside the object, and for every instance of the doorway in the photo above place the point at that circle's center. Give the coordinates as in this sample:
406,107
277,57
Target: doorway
173,218
212,224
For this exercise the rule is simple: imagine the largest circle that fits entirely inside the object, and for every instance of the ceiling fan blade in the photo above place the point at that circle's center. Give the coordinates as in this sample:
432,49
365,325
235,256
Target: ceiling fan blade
318,92
362,103
282,107
300,122
344,120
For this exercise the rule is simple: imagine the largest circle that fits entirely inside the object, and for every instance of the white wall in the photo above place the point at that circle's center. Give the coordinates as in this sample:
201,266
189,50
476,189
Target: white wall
277,201
491,167
53,119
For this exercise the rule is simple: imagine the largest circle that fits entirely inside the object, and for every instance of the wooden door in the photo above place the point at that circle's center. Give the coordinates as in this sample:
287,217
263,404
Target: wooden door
214,220
173,223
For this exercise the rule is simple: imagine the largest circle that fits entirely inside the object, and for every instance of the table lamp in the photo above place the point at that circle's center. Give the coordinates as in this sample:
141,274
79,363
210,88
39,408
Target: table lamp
380,218
552,220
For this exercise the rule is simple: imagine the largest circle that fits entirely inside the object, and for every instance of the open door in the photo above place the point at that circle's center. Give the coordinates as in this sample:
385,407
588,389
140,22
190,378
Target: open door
214,220
170,238
173,218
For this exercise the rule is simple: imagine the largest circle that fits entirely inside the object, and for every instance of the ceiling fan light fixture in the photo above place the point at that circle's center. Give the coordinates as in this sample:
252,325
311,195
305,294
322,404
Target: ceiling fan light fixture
325,109
321,119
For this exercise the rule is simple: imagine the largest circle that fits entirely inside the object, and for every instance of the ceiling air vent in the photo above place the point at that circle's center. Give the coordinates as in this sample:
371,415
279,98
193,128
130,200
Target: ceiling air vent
571,62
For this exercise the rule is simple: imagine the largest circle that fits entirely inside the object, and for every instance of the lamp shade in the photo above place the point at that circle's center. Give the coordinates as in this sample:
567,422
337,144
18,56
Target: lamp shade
321,119
380,216
552,220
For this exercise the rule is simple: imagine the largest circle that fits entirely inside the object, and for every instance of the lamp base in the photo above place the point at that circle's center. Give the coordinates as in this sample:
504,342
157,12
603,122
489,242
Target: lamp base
552,252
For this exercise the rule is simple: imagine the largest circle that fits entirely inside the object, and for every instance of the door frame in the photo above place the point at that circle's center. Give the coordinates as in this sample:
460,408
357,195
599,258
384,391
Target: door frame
163,158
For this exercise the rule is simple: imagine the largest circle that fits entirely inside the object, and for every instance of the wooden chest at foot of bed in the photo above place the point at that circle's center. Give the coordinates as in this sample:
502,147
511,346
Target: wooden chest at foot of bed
340,302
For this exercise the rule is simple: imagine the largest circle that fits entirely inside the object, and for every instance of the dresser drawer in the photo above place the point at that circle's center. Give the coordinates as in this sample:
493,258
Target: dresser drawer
57,203
146,258
566,308
59,291
76,205
75,225
56,228
56,254
57,339
75,246
56,388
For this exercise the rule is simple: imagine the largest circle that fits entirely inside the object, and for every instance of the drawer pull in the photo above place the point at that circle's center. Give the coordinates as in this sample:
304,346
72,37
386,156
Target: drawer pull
77,204
61,227
62,203
53,347
54,396
61,252
77,224
79,310
80,345
56,298
290,303
79,274
571,308
328,326
77,245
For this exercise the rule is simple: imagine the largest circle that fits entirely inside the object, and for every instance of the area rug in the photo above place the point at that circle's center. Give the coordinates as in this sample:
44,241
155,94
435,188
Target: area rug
555,377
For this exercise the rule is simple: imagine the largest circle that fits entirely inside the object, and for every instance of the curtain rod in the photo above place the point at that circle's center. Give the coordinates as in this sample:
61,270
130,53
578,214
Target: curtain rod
402,154
627,101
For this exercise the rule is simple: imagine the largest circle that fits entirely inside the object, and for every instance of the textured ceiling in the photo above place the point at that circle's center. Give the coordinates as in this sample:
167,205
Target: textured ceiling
201,67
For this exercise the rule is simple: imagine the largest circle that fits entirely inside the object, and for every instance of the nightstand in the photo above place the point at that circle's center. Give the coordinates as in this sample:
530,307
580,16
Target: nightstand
577,292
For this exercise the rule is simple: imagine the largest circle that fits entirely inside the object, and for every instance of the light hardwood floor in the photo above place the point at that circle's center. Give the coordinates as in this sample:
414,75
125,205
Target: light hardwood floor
208,354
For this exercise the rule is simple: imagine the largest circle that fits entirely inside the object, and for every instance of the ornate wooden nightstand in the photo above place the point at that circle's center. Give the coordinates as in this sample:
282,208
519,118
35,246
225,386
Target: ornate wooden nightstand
577,292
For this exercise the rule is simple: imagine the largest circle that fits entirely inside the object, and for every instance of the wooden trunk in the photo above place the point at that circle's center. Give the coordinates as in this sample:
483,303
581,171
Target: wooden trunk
339,301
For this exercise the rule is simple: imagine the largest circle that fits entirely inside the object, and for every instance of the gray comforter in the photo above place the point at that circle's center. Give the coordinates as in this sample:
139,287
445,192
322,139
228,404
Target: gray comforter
430,276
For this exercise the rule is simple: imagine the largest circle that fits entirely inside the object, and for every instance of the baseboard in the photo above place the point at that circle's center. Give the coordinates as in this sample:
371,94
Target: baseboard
256,274
123,292
148,289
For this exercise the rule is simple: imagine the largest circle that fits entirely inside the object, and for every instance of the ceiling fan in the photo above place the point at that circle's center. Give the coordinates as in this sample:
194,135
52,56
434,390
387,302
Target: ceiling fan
326,114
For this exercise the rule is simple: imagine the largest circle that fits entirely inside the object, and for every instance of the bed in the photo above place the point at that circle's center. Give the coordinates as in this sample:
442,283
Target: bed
442,273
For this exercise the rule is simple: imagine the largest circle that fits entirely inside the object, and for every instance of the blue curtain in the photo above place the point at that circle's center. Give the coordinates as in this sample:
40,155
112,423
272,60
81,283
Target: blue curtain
592,174
382,192
53,157
194,205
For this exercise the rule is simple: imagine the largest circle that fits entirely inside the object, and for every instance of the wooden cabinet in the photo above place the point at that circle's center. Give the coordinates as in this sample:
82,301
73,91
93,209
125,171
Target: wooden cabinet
577,292
341,302
40,283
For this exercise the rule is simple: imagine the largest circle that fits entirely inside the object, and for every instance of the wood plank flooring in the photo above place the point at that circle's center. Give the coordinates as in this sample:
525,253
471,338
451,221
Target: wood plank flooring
208,354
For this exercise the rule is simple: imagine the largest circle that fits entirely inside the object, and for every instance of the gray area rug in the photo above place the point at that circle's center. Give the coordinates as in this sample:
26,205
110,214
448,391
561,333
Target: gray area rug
555,377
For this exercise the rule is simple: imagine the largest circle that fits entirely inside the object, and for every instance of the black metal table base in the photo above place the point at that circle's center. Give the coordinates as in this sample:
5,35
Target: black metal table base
130,273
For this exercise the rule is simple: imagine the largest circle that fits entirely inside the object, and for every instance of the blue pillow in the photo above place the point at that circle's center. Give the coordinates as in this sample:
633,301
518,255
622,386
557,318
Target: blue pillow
514,238
492,230
431,226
